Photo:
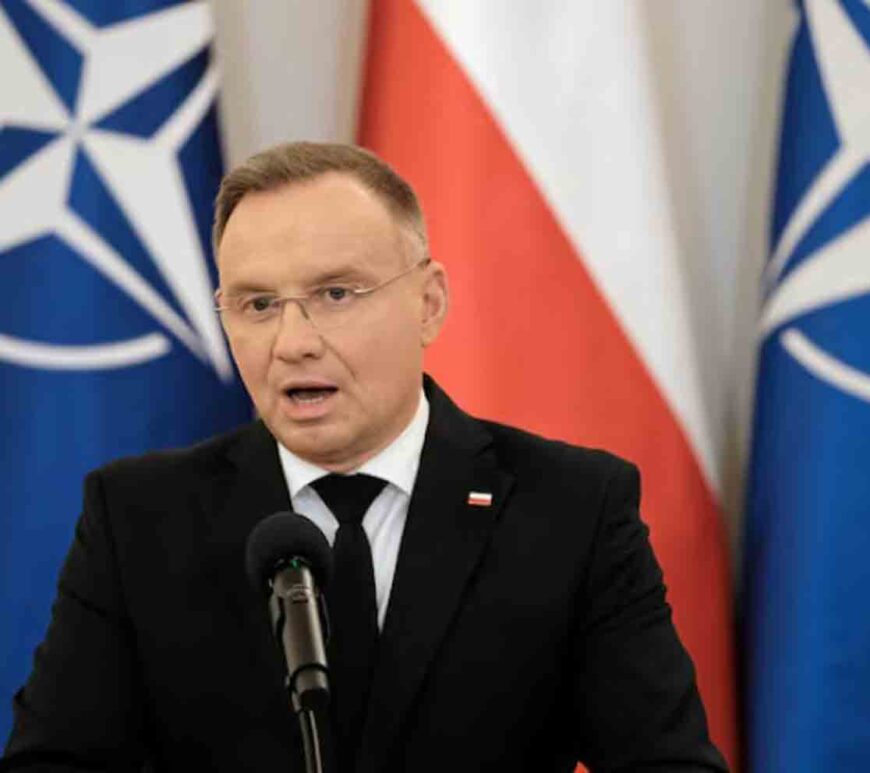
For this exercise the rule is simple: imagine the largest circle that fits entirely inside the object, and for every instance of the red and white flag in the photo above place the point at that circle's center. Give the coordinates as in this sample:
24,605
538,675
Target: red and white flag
530,134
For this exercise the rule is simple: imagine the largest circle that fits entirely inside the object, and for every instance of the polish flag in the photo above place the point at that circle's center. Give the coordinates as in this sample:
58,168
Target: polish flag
528,130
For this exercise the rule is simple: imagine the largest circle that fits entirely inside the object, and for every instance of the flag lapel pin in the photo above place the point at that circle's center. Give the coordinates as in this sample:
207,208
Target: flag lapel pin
479,498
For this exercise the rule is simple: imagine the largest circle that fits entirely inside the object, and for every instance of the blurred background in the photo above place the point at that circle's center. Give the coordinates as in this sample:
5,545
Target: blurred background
656,221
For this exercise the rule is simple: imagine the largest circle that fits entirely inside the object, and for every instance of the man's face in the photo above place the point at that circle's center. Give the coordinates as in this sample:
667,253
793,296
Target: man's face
336,397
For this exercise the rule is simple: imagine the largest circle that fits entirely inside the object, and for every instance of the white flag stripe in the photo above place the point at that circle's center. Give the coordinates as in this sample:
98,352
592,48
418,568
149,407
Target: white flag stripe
580,113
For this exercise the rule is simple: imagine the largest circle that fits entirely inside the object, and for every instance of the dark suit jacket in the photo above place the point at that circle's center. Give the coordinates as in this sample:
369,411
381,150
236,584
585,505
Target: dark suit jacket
519,637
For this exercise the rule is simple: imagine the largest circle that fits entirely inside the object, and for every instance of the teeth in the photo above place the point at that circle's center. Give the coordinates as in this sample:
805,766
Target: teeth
309,398
309,395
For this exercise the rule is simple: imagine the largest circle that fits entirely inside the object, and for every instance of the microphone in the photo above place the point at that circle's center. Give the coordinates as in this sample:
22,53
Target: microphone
288,558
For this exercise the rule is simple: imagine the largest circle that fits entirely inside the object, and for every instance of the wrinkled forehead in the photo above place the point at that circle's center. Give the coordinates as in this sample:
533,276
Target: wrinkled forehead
297,231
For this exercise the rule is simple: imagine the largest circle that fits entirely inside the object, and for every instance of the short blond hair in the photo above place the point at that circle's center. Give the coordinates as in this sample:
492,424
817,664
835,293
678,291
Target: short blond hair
296,162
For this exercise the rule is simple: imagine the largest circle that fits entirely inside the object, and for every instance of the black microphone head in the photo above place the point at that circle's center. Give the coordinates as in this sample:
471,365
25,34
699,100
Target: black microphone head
281,537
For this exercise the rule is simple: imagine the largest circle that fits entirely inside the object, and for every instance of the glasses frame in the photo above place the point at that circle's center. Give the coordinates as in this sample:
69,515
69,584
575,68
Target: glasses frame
302,298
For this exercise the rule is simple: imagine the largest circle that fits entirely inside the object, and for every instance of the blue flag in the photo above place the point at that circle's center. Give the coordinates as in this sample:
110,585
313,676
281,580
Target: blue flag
109,345
807,593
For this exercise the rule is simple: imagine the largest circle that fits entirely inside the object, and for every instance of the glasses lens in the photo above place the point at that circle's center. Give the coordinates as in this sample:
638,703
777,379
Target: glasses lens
326,308
332,307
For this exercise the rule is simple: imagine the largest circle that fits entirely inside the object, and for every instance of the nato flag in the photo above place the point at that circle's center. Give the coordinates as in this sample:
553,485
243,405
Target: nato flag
808,531
109,162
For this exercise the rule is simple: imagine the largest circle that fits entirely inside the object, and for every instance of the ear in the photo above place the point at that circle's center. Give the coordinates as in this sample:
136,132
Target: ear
436,301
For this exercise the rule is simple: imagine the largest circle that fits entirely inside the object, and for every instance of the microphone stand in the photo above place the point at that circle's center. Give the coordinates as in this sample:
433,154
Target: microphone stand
311,743
307,679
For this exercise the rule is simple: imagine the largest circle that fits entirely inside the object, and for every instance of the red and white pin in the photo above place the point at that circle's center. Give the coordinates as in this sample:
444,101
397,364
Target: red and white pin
479,498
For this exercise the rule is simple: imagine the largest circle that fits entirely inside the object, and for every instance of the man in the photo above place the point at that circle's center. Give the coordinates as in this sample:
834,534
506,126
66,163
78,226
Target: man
516,614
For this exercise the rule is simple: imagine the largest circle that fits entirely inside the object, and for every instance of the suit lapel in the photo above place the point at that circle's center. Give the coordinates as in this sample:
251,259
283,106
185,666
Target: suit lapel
444,539
249,486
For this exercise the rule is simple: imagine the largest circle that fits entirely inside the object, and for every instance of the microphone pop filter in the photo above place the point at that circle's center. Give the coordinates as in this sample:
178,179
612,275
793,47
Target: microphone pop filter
281,537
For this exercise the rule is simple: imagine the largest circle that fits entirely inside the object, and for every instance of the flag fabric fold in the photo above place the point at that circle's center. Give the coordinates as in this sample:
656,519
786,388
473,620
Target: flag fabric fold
530,135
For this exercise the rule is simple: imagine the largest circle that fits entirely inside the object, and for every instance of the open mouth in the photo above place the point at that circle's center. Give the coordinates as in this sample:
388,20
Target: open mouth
309,395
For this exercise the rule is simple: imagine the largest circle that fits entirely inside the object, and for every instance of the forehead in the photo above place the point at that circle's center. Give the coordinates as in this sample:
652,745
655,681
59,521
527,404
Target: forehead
300,230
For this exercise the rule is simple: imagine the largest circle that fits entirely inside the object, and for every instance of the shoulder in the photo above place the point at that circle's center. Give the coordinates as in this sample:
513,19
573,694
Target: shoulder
159,470
528,453
167,501
540,466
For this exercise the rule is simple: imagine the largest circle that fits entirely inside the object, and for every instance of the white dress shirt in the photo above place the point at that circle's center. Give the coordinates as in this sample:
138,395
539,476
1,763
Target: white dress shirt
384,521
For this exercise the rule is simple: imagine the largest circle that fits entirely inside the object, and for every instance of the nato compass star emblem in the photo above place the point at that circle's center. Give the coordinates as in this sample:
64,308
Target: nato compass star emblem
817,281
102,116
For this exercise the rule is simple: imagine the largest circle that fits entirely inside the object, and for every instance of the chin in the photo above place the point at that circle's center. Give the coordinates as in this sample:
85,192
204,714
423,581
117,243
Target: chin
316,446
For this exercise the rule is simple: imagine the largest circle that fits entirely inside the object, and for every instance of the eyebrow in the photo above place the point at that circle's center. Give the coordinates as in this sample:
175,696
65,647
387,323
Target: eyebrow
246,287
346,273
339,274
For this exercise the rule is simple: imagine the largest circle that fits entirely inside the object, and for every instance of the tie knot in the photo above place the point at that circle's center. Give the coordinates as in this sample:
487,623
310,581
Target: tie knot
348,496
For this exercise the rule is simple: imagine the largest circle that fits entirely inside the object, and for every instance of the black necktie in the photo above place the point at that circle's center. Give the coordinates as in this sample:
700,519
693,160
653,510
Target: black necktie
352,607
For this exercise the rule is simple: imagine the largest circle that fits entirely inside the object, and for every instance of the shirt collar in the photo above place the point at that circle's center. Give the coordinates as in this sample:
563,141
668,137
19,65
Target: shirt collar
396,464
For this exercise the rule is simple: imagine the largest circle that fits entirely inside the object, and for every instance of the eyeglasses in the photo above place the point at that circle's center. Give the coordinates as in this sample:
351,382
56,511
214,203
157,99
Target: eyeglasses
326,308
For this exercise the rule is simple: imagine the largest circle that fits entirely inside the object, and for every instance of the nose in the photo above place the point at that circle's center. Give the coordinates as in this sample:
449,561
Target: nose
296,337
